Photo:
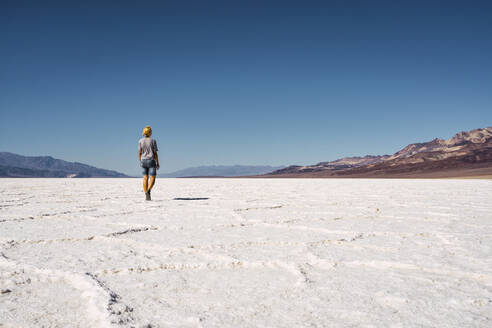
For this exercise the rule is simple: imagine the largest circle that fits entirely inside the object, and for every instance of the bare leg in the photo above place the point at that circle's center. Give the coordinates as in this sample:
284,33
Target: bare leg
152,182
145,182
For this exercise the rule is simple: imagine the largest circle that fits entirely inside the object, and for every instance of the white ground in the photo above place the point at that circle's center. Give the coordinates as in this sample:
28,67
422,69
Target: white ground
257,253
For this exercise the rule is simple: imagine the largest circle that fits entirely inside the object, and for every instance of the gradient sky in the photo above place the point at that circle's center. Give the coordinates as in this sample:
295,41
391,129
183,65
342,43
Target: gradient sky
240,82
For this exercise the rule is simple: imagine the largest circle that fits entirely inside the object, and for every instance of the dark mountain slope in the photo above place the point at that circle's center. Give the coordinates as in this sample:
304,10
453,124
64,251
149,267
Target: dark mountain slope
13,165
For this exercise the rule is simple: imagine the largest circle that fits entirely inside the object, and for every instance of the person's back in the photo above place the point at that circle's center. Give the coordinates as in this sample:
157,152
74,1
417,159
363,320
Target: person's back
148,147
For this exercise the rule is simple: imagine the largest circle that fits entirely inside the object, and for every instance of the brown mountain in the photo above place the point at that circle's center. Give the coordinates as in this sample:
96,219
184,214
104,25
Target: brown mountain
465,154
339,164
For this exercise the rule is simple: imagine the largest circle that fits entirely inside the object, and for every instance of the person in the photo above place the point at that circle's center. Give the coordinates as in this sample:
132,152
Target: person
149,161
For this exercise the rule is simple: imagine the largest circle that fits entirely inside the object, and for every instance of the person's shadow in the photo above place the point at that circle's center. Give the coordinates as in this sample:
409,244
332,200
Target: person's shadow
191,198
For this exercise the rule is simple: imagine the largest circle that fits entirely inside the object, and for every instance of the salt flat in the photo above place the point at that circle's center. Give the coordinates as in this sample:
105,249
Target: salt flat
255,253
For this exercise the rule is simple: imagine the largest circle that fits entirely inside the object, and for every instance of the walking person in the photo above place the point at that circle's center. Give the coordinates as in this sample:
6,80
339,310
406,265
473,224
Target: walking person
149,161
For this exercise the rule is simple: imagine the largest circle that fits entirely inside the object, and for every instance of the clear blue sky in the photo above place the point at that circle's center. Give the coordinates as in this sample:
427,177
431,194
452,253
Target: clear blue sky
240,82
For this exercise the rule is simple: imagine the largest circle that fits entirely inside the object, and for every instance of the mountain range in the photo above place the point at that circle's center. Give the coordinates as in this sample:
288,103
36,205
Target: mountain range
221,171
464,154
13,165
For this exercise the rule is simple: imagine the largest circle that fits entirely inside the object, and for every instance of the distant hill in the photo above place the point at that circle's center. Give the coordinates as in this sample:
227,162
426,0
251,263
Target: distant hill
465,154
339,164
221,171
13,165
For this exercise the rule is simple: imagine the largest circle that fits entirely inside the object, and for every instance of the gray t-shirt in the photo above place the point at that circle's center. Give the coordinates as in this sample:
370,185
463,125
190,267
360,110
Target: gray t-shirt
148,146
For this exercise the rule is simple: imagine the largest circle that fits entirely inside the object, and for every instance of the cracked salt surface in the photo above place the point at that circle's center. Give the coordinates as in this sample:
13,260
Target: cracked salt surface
245,253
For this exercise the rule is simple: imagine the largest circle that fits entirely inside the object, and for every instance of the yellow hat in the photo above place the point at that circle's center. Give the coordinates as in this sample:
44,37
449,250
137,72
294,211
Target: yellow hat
147,131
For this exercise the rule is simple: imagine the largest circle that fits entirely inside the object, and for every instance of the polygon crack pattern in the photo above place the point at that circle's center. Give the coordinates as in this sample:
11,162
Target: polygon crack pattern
121,313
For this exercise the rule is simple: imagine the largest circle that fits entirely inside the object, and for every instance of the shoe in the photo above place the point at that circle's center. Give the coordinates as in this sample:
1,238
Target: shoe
147,195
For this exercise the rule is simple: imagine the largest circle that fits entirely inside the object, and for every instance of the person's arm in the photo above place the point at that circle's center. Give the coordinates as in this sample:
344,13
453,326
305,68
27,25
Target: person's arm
156,160
154,150
139,151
